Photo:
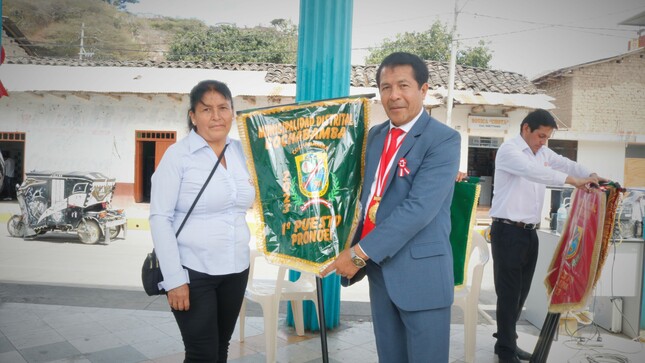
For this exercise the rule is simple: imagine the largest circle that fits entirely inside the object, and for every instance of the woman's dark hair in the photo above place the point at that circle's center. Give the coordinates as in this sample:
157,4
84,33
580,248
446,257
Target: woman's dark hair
538,118
197,93
419,67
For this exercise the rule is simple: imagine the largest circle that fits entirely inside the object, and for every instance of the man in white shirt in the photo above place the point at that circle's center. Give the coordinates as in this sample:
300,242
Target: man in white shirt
10,178
523,168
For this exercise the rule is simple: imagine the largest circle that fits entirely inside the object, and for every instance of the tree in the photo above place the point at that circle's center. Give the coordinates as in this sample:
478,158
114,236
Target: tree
432,44
478,56
229,44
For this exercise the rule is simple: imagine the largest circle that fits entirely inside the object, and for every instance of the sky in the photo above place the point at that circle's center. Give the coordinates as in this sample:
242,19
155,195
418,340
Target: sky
526,36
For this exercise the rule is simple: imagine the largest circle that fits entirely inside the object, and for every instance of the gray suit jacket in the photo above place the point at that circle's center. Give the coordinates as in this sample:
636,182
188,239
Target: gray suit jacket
411,242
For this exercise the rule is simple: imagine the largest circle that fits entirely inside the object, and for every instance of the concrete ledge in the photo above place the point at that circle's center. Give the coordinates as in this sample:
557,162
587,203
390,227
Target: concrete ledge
4,217
138,223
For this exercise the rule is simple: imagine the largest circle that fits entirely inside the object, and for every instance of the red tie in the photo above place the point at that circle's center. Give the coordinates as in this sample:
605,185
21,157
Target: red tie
386,157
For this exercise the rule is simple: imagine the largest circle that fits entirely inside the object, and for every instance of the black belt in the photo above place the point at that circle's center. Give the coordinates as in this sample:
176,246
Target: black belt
523,225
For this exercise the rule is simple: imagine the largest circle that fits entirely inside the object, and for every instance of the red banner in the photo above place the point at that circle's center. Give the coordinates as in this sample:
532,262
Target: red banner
580,254
3,91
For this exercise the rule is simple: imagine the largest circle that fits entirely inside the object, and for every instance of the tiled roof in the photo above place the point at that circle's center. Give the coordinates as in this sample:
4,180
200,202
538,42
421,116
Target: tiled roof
466,78
68,62
568,70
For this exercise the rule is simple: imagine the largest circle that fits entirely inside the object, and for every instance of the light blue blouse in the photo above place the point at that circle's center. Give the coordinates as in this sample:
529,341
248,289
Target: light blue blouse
215,238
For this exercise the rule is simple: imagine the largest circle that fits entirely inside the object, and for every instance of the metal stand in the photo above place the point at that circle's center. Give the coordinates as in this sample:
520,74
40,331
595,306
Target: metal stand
322,322
543,346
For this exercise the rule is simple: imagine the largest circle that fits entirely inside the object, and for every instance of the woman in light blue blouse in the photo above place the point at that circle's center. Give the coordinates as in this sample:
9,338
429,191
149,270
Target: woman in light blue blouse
206,267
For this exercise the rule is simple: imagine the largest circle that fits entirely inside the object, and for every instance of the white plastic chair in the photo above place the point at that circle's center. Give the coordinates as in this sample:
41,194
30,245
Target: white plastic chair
467,296
269,292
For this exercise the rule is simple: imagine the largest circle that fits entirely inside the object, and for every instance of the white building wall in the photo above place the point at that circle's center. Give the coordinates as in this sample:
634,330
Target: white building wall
74,133
70,132
84,118
607,159
459,122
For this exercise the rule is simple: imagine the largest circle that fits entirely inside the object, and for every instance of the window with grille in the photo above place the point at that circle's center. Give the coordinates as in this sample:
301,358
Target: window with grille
485,142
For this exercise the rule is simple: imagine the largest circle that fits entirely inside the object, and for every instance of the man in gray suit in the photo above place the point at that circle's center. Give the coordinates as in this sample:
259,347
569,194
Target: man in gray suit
402,243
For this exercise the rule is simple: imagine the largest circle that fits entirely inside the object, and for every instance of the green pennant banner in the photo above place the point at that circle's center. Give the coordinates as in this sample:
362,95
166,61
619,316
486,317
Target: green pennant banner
463,212
306,161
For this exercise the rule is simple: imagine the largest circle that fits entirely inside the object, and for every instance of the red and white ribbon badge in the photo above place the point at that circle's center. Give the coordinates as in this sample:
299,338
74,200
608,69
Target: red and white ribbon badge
403,169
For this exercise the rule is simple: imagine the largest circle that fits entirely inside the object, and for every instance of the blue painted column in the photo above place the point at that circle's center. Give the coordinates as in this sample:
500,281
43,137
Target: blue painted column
323,71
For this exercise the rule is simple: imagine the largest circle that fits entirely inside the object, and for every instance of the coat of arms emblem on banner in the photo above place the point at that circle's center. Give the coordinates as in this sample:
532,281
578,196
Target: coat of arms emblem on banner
313,173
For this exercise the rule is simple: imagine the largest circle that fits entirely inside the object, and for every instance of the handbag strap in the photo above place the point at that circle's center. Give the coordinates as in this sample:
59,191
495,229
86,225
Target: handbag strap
202,190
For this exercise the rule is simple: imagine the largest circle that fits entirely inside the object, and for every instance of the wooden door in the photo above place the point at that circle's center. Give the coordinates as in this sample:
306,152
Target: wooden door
144,138
160,149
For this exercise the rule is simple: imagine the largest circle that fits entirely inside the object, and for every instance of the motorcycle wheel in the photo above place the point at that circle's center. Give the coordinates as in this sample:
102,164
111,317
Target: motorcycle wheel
114,232
89,231
15,226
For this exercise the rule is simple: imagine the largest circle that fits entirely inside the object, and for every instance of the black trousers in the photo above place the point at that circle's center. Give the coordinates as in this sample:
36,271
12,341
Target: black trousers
215,302
9,187
515,253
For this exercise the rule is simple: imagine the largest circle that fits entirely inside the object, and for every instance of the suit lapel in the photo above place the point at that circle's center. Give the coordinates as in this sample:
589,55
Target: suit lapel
374,152
408,142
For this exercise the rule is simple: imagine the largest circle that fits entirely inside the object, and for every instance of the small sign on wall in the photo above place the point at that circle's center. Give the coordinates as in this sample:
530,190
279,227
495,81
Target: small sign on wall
488,123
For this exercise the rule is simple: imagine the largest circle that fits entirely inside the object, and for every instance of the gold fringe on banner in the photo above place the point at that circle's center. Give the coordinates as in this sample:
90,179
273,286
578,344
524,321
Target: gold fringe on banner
259,222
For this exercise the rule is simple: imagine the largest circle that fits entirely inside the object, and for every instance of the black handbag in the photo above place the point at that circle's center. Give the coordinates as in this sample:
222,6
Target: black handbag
151,274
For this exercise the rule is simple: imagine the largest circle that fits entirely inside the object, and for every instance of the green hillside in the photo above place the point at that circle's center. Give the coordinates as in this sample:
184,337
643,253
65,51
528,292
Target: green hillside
54,28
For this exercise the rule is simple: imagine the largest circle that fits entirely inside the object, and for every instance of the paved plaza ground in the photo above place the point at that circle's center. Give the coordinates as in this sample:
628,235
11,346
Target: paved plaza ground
63,301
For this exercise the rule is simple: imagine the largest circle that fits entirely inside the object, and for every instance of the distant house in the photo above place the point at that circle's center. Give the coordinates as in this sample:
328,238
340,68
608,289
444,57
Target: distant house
600,105
119,117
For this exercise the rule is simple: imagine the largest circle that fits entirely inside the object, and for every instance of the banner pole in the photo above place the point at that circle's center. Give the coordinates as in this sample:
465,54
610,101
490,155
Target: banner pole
321,320
543,346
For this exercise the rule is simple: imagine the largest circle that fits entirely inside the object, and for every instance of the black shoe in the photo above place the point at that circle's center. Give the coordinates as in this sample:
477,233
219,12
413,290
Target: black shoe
522,355
514,359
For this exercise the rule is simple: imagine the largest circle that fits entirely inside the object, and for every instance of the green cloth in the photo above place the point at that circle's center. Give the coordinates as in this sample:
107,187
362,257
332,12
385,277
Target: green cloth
462,217
306,162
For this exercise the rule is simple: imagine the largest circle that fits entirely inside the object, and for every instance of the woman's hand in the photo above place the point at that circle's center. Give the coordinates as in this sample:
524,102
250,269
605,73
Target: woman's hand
178,298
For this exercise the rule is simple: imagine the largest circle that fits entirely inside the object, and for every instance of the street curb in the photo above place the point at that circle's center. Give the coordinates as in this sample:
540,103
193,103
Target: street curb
138,224
4,217
132,299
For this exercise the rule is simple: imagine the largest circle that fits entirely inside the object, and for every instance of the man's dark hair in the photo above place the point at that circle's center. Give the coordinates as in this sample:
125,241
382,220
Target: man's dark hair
538,118
197,93
419,67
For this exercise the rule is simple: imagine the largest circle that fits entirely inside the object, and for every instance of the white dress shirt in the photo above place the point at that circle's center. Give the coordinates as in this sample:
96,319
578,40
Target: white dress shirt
406,128
215,238
9,168
521,178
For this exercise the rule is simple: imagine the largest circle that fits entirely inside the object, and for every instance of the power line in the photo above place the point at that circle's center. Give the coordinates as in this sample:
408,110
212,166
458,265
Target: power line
462,8
546,24
532,29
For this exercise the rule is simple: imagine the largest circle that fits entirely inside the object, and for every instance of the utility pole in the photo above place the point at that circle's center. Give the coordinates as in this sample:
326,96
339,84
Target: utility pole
453,65
82,53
